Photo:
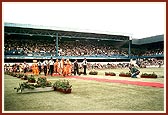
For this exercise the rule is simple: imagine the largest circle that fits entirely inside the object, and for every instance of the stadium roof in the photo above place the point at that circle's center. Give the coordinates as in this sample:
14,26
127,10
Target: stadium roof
148,40
34,30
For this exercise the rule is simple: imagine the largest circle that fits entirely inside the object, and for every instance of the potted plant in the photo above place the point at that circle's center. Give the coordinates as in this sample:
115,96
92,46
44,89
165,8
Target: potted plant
31,79
24,86
66,86
145,75
110,74
24,77
56,85
48,84
42,81
62,86
27,87
122,74
93,72
20,75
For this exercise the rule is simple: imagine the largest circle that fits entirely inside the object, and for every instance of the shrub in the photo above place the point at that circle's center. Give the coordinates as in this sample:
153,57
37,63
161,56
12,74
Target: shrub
145,75
93,72
31,79
42,81
63,85
25,77
20,75
122,74
110,74
23,86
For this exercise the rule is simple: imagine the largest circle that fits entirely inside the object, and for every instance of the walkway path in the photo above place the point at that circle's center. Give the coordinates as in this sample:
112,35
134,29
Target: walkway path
139,83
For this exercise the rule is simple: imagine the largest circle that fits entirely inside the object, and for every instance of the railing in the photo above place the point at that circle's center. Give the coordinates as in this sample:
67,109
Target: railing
65,57
33,56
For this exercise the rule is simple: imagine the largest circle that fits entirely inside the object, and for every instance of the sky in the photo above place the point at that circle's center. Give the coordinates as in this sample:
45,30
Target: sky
138,20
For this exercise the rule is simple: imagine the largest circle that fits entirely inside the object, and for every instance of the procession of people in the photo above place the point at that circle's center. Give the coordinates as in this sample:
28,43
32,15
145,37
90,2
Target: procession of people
63,67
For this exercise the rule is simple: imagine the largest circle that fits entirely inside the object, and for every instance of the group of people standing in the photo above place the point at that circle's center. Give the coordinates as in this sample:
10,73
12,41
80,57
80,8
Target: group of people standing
22,68
76,66
62,67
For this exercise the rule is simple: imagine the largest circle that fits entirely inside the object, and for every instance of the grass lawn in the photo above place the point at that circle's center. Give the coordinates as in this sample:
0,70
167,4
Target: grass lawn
89,95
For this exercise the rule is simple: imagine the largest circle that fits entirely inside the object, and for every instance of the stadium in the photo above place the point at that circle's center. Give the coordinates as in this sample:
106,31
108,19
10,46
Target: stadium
124,49
25,43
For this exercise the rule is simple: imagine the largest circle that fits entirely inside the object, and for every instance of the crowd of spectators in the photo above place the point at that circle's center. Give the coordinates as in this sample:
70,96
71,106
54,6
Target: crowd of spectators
147,52
149,62
67,48
35,47
153,52
89,48
41,47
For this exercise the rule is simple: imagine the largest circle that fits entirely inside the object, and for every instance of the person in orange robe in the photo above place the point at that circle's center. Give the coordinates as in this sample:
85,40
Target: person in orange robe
64,69
56,66
62,66
35,69
68,67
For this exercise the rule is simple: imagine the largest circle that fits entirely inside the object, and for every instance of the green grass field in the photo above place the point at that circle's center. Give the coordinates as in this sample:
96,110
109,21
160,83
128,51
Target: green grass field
89,95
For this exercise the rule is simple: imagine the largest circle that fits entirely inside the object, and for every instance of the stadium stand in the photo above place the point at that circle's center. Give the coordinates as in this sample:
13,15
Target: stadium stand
27,42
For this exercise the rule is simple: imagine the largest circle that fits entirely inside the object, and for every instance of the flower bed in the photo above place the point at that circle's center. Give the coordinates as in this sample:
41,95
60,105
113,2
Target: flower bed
122,74
145,75
20,75
31,79
26,87
62,86
110,74
63,90
41,85
24,77
93,72
42,82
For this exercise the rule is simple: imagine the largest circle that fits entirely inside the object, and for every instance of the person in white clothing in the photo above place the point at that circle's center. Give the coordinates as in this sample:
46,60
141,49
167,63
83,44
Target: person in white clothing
51,65
84,63
45,67
39,66
25,67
